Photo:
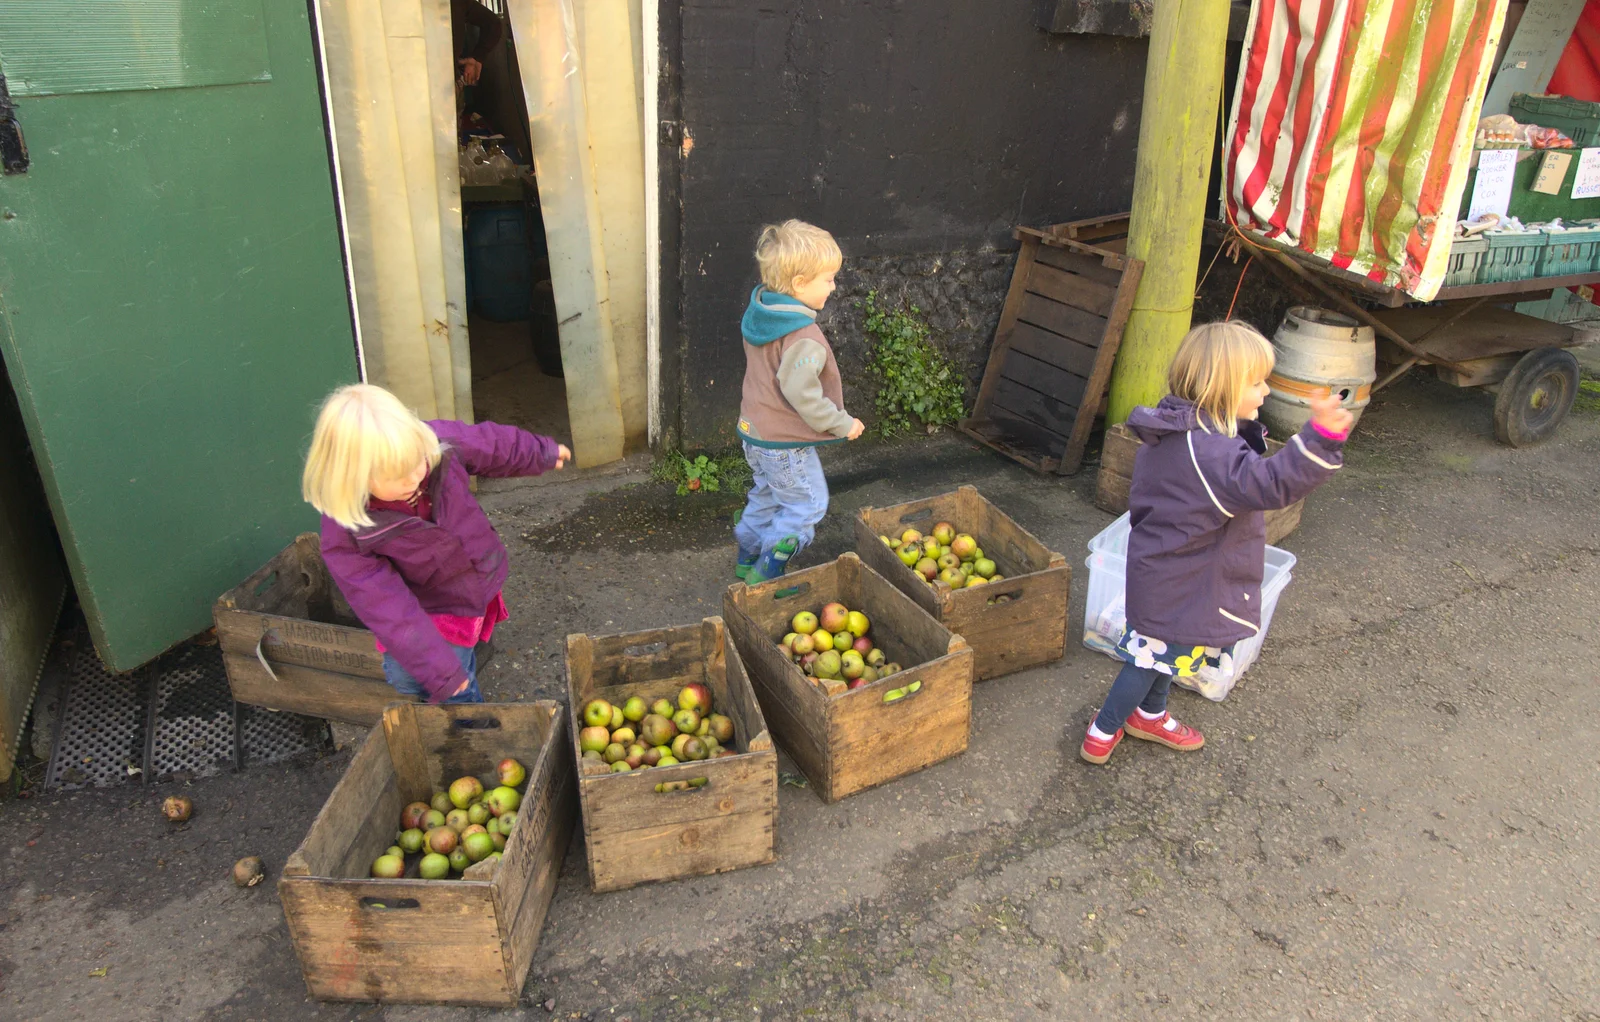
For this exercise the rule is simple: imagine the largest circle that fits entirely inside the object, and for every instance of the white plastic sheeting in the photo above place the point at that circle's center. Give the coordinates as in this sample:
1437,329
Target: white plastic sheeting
390,74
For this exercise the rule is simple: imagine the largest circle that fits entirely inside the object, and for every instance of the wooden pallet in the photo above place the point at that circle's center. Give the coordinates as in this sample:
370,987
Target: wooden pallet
1057,340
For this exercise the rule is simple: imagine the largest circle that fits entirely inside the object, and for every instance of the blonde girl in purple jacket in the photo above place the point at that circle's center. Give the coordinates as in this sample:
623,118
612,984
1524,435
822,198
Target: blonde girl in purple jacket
1196,550
404,537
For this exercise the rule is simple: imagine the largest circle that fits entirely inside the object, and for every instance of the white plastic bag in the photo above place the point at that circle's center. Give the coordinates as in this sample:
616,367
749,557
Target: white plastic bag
472,159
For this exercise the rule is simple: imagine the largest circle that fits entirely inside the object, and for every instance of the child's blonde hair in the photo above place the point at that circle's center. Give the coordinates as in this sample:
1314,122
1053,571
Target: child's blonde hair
793,249
1214,364
363,435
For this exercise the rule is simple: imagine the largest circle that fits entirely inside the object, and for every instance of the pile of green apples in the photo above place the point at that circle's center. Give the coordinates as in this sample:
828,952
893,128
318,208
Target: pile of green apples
638,735
834,644
945,555
463,825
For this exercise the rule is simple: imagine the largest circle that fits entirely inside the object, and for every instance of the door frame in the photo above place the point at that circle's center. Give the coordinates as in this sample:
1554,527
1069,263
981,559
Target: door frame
550,44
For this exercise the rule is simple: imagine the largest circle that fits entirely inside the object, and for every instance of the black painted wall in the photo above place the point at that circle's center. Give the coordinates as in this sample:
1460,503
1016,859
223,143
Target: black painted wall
918,133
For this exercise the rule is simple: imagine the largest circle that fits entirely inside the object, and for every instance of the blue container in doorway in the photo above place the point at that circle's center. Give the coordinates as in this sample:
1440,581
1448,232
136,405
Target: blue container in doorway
499,262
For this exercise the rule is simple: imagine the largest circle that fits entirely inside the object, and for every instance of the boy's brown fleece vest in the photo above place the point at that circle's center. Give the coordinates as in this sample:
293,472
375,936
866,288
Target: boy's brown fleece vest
773,422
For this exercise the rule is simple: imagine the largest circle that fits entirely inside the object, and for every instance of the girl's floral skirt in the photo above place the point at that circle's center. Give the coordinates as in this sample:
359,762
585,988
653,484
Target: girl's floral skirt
1207,670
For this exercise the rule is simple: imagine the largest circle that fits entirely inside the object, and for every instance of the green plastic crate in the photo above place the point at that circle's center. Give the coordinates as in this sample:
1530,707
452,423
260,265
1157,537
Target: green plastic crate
1467,256
1512,255
1564,306
1574,250
1578,118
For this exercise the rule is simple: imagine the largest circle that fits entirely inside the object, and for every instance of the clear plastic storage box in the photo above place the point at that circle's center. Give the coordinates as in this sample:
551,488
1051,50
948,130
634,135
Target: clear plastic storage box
1105,614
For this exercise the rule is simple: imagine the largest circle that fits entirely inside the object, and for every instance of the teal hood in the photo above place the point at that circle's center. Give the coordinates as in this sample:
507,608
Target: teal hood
771,315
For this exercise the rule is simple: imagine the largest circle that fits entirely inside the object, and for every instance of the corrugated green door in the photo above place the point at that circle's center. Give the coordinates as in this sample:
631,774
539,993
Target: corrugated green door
172,295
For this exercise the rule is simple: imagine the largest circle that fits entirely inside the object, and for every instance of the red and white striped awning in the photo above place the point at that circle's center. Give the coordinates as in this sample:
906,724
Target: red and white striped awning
1352,128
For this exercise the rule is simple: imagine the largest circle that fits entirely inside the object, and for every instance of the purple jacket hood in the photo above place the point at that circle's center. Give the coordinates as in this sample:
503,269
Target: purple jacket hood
1197,547
399,570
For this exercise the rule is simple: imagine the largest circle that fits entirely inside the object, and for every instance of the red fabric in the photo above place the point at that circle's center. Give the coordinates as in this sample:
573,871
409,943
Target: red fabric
456,630
1578,72
467,631
422,509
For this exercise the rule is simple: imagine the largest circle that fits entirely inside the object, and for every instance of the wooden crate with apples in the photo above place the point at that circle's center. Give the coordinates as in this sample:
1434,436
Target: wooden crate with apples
849,739
1017,621
416,941
701,815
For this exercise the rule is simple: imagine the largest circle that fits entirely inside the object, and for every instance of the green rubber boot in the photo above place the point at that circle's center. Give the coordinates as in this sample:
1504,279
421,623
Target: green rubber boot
775,562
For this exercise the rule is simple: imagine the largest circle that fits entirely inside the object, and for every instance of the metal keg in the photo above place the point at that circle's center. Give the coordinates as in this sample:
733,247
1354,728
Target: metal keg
1318,350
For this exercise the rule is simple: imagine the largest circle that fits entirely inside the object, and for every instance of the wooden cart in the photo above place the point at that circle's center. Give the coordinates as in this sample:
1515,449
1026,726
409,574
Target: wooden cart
1464,335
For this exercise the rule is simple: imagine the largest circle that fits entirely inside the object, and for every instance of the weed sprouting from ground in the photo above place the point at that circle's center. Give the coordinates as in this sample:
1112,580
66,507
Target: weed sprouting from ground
702,473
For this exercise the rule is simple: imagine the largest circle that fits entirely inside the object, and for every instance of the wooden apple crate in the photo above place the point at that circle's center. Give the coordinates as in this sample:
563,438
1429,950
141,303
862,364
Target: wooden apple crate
635,834
291,642
1116,476
415,941
1027,628
851,742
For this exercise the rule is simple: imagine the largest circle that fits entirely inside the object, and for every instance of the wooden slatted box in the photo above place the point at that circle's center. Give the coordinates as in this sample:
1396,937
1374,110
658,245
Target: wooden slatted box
1055,346
635,834
1116,476
291,642
1014,624
850,742
415,941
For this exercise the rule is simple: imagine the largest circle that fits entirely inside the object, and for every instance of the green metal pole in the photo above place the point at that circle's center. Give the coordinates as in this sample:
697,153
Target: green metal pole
1177,130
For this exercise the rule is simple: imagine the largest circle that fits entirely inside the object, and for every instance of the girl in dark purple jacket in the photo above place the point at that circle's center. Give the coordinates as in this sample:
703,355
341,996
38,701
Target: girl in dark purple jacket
1196,552
405,539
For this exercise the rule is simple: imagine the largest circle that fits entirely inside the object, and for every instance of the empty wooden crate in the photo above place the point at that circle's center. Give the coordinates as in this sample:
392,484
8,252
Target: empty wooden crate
1116,476
633,832
414,941
1018,622
853,741
291,642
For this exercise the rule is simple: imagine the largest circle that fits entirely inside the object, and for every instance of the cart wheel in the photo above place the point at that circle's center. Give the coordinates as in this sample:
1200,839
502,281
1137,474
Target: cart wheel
1536,396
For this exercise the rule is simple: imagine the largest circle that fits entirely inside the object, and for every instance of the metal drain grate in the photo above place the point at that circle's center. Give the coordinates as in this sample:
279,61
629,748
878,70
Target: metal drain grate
100,738
191,715
266,737
176,715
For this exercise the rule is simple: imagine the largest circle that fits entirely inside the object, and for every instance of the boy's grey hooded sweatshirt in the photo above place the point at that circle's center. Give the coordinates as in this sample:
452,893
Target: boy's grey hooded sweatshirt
793,396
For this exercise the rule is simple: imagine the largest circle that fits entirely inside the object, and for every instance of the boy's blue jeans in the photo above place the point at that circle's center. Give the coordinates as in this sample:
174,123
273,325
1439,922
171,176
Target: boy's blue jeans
402,682
788,498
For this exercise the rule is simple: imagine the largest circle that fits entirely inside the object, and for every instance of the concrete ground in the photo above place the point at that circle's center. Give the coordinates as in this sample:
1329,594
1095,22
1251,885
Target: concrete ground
507,384
1395,816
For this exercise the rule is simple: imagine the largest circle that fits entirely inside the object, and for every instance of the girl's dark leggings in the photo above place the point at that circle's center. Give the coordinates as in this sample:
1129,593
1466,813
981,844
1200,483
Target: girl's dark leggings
1135,686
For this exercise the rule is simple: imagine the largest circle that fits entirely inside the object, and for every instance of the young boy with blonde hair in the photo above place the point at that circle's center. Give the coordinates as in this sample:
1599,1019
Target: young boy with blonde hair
793,399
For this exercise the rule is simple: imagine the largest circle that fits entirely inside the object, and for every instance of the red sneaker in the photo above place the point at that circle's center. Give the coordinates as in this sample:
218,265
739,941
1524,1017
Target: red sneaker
1183,737
1098,750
